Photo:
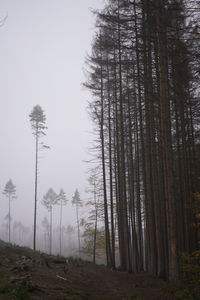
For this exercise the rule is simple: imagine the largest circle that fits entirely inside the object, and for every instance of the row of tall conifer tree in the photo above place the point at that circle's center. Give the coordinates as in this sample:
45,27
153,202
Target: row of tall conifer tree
143,72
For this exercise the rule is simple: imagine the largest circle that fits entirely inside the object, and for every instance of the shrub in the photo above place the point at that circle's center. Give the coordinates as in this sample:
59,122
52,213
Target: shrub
190,272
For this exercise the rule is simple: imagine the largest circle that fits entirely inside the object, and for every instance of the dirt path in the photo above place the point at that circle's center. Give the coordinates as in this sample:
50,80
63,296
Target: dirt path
26,275
102,283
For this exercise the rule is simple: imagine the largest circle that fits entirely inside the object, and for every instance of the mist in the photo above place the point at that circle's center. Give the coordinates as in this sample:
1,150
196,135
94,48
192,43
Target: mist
42,56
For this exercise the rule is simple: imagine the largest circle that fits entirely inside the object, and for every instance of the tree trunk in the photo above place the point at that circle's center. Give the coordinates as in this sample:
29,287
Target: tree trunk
60,239
35,204
50,241
165,143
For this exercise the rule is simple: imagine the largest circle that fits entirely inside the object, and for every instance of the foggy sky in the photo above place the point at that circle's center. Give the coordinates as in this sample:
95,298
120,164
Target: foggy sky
43,45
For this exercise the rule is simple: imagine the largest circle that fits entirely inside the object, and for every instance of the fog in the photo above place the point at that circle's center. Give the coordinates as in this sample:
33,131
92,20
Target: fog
43,45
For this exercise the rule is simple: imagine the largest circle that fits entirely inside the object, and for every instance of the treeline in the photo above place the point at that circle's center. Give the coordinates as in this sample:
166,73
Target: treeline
60,239
143,73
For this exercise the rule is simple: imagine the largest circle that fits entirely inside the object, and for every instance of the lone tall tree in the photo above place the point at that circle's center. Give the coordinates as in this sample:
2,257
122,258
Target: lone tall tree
10,192
76,200
37,119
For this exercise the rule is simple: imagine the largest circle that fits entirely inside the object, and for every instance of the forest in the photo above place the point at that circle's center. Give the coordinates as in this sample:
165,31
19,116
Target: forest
144,76
142,213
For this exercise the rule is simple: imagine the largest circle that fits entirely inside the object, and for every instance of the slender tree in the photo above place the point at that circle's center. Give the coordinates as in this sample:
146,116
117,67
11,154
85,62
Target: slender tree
37,119
69,232
95,213
10,193
49,200
76,200
46,228
61,201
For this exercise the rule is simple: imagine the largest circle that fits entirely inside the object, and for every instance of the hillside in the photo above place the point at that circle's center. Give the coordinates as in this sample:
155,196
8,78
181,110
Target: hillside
27,275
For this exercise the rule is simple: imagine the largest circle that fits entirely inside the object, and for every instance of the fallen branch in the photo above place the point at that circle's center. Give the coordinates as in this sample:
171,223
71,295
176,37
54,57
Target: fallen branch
61,277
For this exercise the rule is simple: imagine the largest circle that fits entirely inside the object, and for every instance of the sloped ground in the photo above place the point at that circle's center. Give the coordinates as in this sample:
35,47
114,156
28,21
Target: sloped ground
27,275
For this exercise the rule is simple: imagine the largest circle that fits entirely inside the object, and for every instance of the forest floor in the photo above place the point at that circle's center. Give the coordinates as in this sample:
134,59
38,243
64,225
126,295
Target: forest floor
25,275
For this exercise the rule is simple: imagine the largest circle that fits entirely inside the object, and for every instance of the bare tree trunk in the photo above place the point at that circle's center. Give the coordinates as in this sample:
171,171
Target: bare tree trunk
9,217
95,226
35,204
165,143
79,241
50,240
122,174
60,238
111,171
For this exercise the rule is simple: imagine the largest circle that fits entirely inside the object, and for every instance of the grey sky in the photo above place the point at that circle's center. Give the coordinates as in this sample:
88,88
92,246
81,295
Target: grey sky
43,45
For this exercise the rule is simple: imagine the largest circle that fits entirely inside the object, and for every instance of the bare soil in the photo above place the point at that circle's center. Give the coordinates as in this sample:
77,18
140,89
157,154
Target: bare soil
25,275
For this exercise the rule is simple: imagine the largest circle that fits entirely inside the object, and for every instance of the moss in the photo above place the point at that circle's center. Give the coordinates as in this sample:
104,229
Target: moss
5,286
181,294
78,295
17,291
190,273
20,291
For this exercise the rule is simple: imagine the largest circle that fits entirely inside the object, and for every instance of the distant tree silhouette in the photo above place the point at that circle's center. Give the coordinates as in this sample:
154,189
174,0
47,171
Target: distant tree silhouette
61,201
46,227
10,193
37,119
69,232
48,201
95,204
76,200
3,20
